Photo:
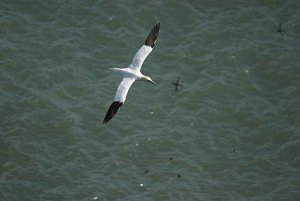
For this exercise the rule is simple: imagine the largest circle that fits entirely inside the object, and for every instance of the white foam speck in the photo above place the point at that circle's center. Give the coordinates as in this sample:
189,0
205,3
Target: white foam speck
141,185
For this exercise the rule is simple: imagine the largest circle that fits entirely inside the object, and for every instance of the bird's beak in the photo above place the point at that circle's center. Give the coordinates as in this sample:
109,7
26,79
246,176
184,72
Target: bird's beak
151,81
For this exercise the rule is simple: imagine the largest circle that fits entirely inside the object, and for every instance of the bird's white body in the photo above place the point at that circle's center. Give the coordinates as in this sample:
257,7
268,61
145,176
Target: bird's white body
132,73
129,76
128,72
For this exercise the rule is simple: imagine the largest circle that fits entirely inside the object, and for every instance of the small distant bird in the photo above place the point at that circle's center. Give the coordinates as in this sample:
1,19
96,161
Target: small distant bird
132,73
279,30
177,84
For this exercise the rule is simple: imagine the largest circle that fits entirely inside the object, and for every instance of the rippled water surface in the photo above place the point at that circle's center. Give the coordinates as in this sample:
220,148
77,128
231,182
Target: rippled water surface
231,132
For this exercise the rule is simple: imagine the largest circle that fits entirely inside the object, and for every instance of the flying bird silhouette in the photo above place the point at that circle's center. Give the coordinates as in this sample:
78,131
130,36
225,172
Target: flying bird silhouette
279,30
177,85
132,73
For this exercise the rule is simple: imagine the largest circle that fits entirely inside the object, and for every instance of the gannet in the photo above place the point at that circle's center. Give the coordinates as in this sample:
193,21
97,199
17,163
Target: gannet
132,73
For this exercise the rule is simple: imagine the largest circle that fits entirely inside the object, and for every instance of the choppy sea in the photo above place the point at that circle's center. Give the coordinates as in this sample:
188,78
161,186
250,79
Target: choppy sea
231,132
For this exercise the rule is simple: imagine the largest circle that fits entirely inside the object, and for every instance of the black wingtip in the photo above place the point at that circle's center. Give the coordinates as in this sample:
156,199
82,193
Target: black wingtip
113,109
151,39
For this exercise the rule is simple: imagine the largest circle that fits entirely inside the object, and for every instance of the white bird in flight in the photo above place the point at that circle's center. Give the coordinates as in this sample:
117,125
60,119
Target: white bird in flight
132,73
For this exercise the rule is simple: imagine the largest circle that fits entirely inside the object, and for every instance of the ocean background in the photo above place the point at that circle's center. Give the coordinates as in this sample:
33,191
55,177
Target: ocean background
230,133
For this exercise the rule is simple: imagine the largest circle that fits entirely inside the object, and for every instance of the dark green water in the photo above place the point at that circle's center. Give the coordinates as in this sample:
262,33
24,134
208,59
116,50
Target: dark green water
232,131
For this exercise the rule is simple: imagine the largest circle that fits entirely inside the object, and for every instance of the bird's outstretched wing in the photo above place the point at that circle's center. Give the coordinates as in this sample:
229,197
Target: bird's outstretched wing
145,50
120,98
